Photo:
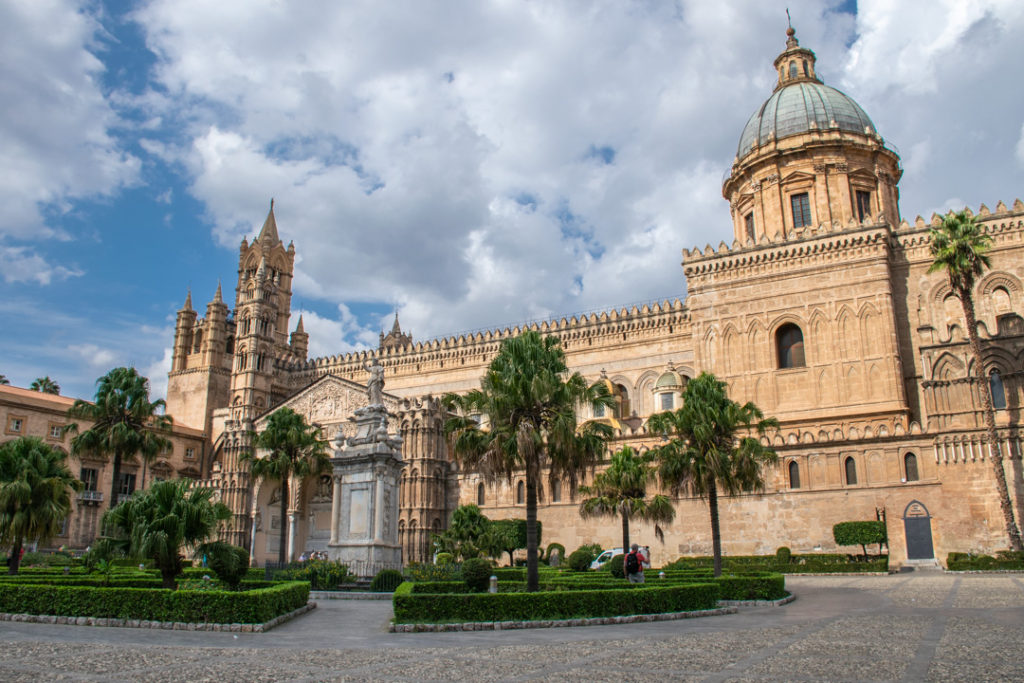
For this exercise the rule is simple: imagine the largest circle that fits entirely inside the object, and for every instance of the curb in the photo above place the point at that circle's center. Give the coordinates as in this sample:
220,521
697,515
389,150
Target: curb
557,623
165,625
759,603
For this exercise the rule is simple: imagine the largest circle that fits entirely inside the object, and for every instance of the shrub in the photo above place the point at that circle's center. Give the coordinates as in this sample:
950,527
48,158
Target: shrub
553,547
476,572
1006,559
424,571
46,559
615,566
860,533
229,562
580,560
594,549
783,555
431,608
323,575
444,558
386,581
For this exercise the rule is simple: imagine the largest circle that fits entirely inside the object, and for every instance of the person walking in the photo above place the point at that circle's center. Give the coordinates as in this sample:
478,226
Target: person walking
634,565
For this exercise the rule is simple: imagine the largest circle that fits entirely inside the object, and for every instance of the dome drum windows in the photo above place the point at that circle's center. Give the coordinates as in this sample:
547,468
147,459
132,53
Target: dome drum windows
800,204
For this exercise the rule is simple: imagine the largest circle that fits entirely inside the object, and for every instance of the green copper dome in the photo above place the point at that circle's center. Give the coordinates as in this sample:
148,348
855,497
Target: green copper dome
801,107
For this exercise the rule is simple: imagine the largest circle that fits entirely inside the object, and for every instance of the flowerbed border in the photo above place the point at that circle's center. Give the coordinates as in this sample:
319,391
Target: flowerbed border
558,623
164,625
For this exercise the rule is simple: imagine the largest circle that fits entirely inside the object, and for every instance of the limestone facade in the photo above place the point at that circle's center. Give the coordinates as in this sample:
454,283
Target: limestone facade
821,311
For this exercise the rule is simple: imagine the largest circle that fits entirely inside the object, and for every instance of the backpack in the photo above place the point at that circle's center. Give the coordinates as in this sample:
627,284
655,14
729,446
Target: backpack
632,563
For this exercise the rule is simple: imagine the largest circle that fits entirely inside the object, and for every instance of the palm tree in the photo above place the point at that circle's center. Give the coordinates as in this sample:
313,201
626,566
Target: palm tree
163,521
958,247
35,494
125,422
295,450
45,385
530,404
621,490
714,444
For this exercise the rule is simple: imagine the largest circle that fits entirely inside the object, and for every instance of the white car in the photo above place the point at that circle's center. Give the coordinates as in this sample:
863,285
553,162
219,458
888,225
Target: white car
604,557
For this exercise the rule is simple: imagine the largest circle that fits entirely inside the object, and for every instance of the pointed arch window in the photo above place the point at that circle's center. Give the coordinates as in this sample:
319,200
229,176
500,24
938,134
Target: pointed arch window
790,343
520,493
794,475
851,471
995,385
910,467
556,491
480,494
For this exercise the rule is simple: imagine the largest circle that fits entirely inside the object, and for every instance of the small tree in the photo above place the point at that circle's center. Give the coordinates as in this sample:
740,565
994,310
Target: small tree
125,422
45,385
35,494
465,533
163,522
229,562
714,443
621,491
508,536
295,449
860,533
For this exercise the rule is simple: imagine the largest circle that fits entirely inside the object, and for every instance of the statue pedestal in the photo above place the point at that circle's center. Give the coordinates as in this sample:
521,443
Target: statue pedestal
364,519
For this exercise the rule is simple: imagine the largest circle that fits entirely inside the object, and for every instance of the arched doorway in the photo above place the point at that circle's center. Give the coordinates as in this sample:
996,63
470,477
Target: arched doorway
917,526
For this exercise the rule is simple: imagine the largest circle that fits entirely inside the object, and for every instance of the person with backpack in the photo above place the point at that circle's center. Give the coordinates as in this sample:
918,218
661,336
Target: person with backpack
633,565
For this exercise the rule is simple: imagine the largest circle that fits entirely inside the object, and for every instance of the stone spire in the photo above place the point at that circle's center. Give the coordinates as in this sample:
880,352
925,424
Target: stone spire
268,233
395,338
188,301
299,328
396,329
261,272
218,297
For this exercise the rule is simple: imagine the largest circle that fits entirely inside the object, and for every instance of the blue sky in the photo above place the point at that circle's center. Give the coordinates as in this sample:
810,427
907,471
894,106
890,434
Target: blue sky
471,164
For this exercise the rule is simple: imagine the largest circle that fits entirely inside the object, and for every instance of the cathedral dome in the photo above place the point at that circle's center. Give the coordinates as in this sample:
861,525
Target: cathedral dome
802,107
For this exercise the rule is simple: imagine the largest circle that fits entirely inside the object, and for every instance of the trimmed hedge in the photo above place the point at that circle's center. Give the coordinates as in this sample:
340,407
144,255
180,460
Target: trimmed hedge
819,563
434,608
219,607
1005,560
762,586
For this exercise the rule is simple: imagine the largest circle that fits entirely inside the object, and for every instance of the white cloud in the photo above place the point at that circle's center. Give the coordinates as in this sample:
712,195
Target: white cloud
157,374
55,140
94,356
533,159
22,264
328,336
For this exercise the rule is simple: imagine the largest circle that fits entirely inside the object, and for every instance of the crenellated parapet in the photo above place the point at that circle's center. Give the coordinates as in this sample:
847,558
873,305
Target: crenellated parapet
826,243
476,349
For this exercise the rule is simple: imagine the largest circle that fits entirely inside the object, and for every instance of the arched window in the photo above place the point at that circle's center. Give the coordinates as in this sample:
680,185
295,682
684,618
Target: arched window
851,472
995,385
794,475
520,493
556,491
806,73
910,466
1001,300
792,69
480,494
790,343
197,342
598,410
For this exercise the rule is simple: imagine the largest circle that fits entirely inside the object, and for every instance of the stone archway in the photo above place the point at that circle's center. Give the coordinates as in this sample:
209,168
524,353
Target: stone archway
917,528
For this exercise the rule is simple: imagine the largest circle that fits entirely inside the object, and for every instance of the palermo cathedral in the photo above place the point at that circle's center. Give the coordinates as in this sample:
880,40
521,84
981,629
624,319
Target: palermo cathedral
820,310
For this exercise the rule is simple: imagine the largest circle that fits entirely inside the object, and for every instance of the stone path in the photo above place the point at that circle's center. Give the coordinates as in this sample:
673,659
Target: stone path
907,627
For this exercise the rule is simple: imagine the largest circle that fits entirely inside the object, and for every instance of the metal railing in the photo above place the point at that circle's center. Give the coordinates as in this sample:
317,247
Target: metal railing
91,496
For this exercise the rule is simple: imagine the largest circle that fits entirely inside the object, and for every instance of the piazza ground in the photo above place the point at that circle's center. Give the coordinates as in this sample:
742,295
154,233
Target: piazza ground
921,626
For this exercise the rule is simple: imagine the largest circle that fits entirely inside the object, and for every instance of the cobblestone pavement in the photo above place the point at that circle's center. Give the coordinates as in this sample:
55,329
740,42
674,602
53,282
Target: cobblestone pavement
907,627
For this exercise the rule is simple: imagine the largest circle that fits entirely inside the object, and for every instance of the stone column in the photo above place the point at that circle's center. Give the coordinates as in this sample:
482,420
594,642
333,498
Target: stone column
336,510
252,539
291,536
378,522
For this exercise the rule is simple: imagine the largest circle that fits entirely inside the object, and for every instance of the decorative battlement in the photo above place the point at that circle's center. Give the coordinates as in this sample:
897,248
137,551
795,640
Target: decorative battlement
480,345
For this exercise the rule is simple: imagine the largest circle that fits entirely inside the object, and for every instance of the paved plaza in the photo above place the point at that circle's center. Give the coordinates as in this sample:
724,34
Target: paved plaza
907,627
